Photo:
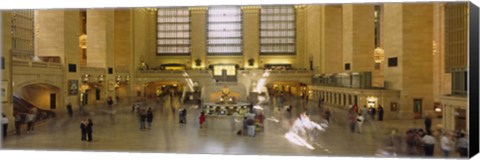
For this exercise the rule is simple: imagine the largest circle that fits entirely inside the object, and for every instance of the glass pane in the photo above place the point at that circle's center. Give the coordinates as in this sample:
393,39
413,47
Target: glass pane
173,31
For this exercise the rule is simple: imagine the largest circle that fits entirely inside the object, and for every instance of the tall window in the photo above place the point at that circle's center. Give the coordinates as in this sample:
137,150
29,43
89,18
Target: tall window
224,30
277,30
173,31
23,33
378,22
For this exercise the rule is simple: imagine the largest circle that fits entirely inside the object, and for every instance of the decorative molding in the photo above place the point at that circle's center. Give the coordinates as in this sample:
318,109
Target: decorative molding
198,8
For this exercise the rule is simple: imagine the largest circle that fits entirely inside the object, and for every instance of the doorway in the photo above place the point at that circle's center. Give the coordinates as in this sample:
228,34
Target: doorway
53,100
417,108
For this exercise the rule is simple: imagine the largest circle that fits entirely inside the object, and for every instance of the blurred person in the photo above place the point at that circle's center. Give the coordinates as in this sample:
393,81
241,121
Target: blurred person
327,114
18,123
89,130
359,123
142,118
380,113
4,125
445,144
365,112
373,112
428,144
244,126
30,121
149,117
428,123
251,127
83,129
201,119
462,145
352,118
70,109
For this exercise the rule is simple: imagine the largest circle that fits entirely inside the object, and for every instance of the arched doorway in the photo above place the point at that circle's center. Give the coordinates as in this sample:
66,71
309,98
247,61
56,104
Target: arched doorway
91,93
41,98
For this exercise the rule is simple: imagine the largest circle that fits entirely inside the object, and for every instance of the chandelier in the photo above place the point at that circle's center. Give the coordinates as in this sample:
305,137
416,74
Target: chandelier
378,55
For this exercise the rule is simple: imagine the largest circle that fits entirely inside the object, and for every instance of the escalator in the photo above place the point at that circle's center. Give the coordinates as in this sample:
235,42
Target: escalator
22,107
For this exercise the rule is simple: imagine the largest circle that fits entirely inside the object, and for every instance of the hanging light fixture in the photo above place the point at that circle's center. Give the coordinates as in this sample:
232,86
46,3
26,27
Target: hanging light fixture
378,55
85,78
101,78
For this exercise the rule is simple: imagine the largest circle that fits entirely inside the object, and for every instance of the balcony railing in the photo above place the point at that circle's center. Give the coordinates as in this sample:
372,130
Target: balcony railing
35,64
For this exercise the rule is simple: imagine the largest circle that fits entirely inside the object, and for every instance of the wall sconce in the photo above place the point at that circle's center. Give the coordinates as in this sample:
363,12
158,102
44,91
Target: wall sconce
101,78
85,78
127,78
118,78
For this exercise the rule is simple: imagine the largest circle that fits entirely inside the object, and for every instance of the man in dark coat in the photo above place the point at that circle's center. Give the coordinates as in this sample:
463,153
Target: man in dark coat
89,130
428,123
380,113
70,109
149,118
83,128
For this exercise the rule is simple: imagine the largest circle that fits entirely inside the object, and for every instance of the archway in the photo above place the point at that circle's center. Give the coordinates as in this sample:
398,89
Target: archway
91,93
42,98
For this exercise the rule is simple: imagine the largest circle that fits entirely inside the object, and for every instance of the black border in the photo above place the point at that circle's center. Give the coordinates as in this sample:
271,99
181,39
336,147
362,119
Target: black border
474,81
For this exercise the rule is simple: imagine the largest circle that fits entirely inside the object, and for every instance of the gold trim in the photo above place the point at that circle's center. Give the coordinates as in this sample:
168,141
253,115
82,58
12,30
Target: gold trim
197,8
250,7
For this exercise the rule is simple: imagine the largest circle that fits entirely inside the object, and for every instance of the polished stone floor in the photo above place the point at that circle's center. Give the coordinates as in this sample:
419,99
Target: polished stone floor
121,133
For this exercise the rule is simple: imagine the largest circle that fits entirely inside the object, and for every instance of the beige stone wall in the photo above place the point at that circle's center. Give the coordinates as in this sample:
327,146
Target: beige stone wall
393,44
251,38
417,56
198,18
51,32
6,74
331,46
72,54
363,38
347,41
301,60
313,40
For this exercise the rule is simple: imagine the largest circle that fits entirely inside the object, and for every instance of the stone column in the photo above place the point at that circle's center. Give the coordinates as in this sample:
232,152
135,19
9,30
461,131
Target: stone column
358,36
251,32
198,26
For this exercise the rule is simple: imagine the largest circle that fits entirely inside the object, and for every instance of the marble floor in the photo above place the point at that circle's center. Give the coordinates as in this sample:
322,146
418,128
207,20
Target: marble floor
121,133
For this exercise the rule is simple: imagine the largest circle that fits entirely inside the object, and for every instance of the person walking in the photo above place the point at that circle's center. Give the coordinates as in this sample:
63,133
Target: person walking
359,123
428,144
428,123
251,127
30,121
327,114
149,118
352,120
143,118
4,125
201,119
244,126
89,130
374,111
70,109
18,123
445,144
83,129
380,113
365,112
462,145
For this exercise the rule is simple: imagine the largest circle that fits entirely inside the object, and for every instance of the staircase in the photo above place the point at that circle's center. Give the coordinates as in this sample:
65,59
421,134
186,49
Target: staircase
22,107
